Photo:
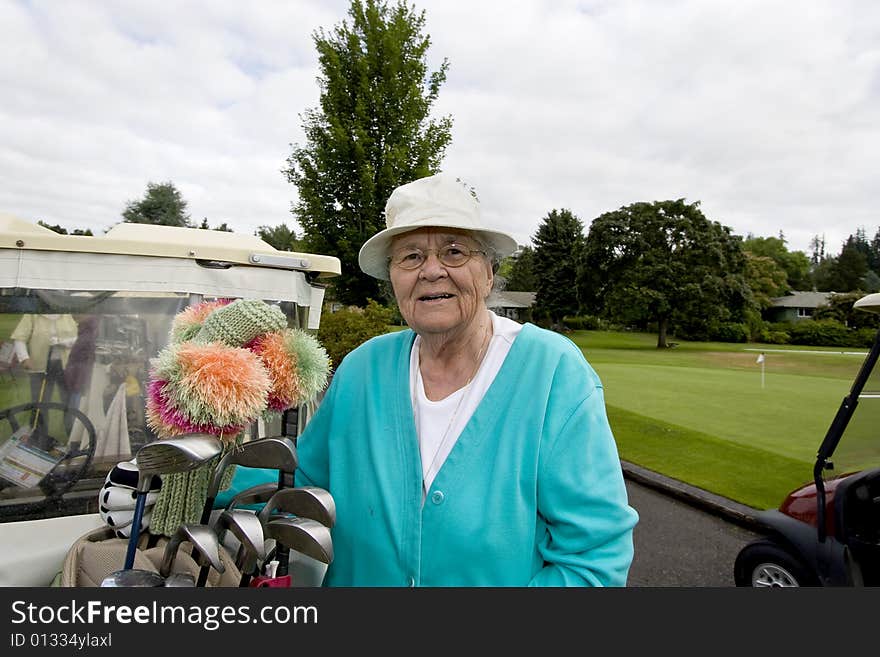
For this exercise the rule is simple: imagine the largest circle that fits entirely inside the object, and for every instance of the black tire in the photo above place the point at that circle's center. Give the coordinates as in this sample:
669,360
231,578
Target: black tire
765,563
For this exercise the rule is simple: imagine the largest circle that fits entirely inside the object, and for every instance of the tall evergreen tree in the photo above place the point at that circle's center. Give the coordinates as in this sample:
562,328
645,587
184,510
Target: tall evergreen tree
559,245
519,271
162,204
371,133
874,259
851,267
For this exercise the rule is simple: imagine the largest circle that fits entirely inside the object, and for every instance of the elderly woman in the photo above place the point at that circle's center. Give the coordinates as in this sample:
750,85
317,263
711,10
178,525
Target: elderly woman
470,450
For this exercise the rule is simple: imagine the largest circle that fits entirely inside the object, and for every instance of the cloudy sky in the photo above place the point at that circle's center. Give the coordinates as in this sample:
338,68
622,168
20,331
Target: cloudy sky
767,112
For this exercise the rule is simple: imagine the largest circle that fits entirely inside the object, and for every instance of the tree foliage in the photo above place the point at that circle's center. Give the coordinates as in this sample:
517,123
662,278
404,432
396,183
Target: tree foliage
766,279
795,264
559,244
371,133
223,228
845,272
664,262
518,270
280,237
162,204
342,331
58,228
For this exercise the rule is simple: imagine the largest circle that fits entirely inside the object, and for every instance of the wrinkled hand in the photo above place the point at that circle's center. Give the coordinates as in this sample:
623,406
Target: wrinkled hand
118,497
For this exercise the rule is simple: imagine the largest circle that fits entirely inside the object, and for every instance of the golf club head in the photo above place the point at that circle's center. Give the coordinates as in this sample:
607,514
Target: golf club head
172,455
178,454
259,494
277,452
205,544
246,527
133,577
303,535
303,501
180,580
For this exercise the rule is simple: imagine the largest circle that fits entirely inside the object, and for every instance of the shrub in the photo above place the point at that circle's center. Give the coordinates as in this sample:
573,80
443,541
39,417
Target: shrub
583,323
730,332
864,337
769,336
821,332
346,329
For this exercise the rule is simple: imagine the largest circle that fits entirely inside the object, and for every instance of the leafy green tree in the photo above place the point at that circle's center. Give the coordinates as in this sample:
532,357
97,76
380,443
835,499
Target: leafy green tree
63,231
766,279
559,245
664,262
372,132
840,308
162,204
222,227
796,264
519,271
281,237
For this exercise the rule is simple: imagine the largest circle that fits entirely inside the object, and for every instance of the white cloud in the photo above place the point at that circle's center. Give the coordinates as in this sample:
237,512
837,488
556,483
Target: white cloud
764,111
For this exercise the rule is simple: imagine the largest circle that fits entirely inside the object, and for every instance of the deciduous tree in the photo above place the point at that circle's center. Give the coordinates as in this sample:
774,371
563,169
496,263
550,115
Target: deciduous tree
796,264
664,262
371,133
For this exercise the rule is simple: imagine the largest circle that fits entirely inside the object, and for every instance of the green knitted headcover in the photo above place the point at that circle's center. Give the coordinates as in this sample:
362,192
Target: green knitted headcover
240,322
183,495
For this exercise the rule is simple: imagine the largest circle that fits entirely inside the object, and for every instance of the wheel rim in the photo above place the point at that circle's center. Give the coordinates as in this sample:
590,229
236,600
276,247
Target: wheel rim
772,575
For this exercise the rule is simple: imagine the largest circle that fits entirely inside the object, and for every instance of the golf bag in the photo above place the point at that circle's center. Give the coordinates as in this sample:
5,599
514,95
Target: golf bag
98,553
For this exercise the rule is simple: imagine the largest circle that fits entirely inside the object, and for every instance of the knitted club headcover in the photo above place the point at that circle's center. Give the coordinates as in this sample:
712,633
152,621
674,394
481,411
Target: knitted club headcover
227,363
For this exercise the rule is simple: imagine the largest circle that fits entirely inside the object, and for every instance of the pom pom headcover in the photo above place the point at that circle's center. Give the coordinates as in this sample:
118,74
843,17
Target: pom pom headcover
228,363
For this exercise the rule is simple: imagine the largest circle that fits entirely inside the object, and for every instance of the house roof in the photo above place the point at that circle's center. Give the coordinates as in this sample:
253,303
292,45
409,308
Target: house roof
803,300
508,299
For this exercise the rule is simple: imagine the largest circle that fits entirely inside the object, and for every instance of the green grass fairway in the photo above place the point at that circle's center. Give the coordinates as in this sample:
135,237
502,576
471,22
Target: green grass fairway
698,412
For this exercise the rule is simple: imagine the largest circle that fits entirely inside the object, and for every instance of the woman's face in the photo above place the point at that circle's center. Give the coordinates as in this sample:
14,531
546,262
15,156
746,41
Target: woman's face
436,298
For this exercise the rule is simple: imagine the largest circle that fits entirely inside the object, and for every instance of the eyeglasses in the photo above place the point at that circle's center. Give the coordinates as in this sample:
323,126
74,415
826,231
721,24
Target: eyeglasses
450,255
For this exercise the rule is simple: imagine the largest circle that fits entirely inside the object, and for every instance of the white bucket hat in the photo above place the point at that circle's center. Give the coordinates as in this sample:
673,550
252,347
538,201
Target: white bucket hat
437,201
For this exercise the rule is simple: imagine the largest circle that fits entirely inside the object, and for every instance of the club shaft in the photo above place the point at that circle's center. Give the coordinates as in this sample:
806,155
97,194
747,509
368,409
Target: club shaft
139,506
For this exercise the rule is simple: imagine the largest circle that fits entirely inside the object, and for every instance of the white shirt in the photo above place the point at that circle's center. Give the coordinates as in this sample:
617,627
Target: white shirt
440,423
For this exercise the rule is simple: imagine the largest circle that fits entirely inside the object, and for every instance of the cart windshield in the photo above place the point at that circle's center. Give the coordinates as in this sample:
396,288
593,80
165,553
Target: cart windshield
74,369
859,447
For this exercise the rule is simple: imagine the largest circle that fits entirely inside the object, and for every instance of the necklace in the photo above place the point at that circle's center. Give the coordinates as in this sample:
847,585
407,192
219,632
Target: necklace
464,393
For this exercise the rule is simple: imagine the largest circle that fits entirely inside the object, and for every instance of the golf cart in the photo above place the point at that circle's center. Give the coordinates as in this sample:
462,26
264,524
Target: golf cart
828,533
109,302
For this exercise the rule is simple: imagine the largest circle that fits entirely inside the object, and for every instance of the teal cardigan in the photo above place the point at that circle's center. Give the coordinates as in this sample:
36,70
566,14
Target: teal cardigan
532,493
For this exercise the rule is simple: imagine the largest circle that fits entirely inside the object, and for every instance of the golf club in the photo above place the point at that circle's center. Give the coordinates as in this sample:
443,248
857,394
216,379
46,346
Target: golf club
258,494
248,529
133,577
205,544
268,452
303,535
180,580
303,501
178,454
